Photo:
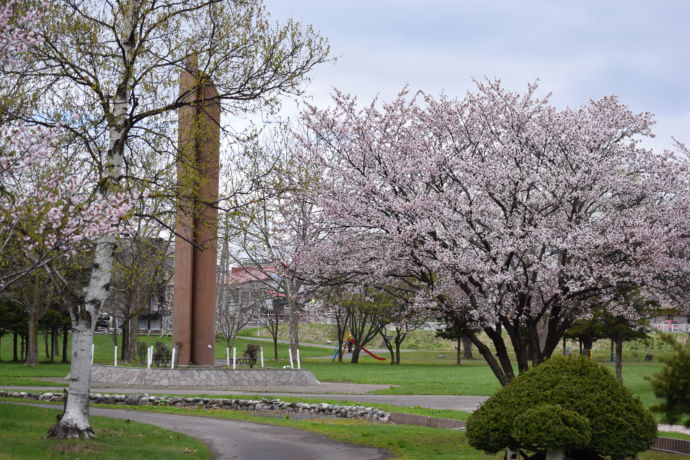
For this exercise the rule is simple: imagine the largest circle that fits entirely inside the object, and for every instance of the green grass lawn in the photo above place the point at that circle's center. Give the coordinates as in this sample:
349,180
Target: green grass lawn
23,430
405,441
20,374
104,348
420,372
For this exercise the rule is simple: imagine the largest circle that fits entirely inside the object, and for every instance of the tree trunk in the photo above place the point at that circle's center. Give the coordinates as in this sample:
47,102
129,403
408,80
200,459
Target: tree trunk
389,346
15,357
275,347
294,327
74,423
355,354
619,360
56,339
46,344
587,344
32,341
132,327
24,347
458,352
341,325
397,351
466,348
125,342
53,339
65,341
503,374
113,335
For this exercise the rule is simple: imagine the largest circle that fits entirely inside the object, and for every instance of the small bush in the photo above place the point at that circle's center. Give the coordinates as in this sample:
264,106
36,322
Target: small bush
161,353
142,351
620,426
252,351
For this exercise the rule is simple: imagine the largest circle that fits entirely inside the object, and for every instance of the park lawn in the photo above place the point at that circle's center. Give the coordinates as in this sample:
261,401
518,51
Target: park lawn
674,435
404,441
471,378
474,378
242,342
104,348
407,442
23,375
23,429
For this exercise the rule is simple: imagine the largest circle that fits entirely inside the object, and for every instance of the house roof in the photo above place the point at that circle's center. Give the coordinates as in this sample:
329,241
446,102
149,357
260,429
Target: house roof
241,275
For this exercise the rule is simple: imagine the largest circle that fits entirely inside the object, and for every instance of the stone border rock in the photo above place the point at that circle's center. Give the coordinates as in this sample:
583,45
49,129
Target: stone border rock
256,405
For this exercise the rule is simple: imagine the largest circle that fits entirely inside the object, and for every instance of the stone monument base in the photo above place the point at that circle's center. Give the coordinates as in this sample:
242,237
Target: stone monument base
195,377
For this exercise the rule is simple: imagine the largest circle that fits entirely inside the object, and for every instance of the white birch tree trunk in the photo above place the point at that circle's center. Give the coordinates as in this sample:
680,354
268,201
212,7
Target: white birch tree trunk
291,294
74,423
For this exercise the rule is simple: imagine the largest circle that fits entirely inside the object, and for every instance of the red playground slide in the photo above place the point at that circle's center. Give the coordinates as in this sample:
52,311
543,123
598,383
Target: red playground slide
372,355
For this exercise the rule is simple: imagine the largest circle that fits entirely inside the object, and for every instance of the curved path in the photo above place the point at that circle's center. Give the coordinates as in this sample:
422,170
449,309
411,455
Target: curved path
230,439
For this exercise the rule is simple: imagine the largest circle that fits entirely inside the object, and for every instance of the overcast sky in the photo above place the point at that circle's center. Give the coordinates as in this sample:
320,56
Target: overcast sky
580,50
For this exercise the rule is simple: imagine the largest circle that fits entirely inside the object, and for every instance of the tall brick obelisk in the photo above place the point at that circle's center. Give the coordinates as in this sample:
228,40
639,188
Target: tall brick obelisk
194,307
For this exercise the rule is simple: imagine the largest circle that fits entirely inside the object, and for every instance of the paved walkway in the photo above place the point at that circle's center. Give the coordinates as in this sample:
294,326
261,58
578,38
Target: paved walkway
230,439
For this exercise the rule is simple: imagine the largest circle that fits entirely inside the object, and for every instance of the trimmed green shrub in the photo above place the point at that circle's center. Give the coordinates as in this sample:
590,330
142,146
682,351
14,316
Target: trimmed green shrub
547,427
620,426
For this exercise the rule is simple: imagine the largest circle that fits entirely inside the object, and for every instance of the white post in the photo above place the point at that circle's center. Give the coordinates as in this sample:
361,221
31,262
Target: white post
172,360
227,357
149,357
234,357
115,357
290,355
262,357
512,454
555,454
298,363
93,351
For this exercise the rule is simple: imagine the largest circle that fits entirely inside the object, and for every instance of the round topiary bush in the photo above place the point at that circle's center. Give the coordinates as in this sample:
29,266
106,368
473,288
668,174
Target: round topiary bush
547,427
619,425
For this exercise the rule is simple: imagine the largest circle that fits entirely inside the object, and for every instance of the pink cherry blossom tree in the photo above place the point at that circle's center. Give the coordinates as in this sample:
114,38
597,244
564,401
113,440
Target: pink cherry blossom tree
518,215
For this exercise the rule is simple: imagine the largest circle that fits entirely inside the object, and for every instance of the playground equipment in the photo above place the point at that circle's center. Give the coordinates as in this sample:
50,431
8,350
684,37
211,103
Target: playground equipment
344,344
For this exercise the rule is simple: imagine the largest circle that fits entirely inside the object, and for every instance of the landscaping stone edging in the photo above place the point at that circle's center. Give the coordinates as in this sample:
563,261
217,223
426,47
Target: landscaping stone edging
401,418
258,405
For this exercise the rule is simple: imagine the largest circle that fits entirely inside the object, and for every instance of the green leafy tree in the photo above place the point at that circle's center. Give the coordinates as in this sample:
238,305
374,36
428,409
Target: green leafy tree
672,384
457,328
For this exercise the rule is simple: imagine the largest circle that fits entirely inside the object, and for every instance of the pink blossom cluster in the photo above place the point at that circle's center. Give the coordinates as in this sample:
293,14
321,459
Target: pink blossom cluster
46,200
498,203
16,34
